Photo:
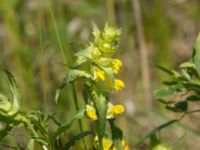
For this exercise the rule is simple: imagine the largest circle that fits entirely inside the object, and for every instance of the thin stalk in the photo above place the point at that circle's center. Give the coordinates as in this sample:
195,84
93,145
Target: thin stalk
100,140
73,88
43,74
57,33
111,12
65,61
33,131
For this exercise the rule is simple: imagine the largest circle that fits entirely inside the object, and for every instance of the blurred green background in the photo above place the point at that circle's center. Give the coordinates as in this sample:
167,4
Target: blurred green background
33,32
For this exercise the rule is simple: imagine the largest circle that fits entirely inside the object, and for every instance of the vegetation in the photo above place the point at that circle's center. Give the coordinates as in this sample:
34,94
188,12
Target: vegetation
67,93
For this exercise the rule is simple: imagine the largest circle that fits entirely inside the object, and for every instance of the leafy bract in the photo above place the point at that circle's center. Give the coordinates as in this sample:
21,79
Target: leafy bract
64,127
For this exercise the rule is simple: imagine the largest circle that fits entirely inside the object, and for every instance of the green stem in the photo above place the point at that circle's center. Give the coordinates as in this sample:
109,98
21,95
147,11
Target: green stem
77,108
111,12
29,125
100,142
65,61
43,73
56,30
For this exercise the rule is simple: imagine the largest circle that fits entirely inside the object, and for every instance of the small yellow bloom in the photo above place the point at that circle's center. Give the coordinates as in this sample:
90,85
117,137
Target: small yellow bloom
114,110
126,147
123,143
91,112
117,109
116,65
100,74
118,85
123,146
107,143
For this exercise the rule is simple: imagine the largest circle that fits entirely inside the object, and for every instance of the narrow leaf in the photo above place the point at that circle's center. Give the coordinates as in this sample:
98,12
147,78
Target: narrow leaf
168,90
13,88
58,91
64,127
156,130
77,138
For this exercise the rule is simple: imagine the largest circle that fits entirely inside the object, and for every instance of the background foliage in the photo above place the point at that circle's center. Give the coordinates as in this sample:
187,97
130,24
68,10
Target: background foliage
31,35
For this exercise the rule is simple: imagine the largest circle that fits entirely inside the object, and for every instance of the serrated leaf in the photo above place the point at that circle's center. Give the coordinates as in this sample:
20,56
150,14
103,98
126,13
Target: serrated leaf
13,88
167,91
77,138
80,114
101,105
187,64
75,73
84,53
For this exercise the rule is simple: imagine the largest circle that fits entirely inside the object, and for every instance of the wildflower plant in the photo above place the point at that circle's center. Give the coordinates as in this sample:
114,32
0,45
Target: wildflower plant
181,90
96,67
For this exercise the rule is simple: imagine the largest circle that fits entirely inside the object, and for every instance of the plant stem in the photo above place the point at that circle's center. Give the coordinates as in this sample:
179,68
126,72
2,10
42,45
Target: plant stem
73,88
68,63
111,12
28,124
43,74
56,30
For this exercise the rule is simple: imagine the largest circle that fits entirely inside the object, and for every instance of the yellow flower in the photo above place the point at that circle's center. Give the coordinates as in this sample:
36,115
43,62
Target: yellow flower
126,147
123,146
100,74
114,110
116,65
117,109
123,143
118,85
107,143
91,112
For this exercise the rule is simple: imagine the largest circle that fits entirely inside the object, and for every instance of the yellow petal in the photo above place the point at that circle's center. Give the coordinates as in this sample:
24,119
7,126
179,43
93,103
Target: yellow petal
116,65
118,84
91,112
100,74
117,109
107,143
